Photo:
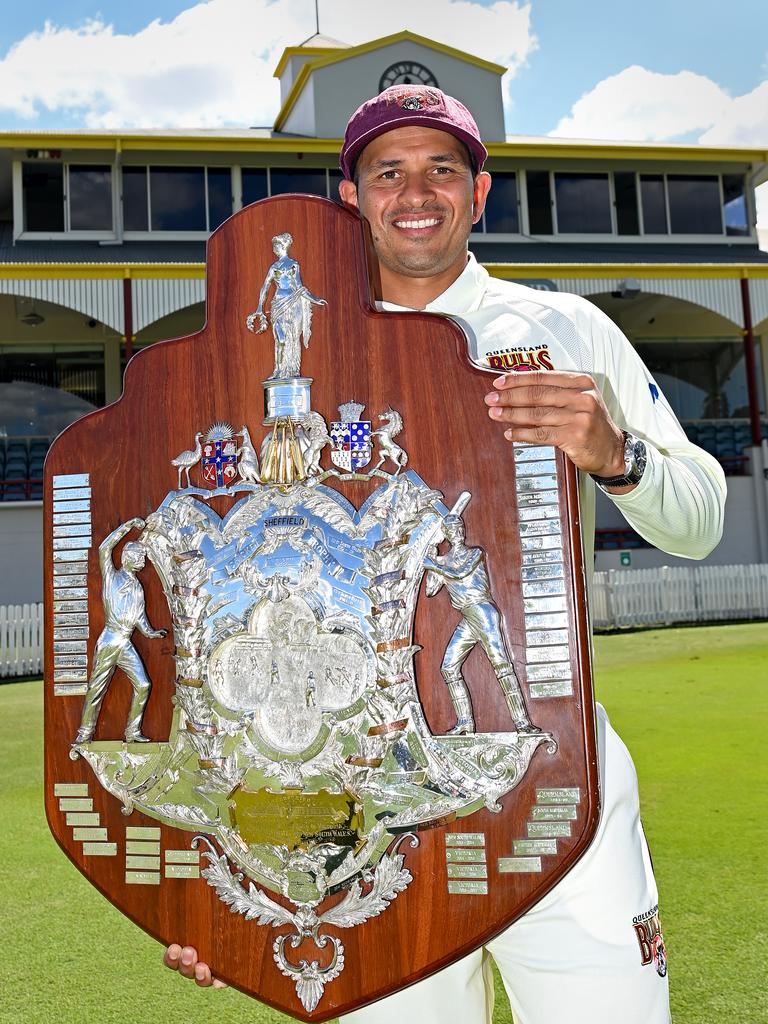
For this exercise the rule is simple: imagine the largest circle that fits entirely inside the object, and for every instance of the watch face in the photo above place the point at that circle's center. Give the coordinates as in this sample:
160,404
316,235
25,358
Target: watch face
407,72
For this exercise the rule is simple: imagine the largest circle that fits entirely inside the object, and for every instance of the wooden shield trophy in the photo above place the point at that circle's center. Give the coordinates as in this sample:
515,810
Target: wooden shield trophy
318,694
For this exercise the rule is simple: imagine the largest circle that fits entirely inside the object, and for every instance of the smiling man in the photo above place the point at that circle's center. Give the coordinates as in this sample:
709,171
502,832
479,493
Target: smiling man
412,162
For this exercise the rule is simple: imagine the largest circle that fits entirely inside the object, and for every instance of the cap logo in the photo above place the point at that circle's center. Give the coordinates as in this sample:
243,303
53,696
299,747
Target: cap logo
411,103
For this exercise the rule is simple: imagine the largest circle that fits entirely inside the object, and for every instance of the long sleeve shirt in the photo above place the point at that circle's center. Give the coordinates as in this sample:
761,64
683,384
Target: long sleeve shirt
678,504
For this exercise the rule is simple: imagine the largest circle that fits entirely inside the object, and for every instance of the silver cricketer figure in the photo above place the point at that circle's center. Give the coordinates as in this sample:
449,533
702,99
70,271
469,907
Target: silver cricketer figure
463,573
123,599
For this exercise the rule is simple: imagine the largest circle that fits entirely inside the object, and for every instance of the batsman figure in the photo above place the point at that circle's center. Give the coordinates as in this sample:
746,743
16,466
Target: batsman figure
123,599
463,573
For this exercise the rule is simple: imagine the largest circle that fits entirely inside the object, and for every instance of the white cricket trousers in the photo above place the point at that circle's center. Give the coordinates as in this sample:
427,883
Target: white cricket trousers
575,957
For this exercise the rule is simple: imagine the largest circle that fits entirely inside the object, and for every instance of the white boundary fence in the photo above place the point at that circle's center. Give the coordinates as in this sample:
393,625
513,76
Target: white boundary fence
661,597
620,598
21,639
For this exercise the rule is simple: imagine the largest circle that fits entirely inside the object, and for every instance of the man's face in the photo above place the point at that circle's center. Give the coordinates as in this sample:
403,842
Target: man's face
416,189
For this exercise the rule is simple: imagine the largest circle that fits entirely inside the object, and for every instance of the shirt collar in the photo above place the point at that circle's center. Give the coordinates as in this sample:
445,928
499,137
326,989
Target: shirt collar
463,296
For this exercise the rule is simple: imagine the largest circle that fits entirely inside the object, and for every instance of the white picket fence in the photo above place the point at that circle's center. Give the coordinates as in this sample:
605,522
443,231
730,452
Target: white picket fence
661,597
21,639
620,598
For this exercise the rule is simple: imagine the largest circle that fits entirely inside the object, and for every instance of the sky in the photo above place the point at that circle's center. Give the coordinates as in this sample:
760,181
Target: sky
664,70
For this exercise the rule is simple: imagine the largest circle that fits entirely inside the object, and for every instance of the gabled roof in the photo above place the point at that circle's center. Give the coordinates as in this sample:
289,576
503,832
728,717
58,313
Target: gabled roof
316,46
336,55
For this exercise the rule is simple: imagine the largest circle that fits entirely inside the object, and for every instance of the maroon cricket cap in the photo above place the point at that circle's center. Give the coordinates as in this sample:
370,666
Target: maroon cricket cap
402,105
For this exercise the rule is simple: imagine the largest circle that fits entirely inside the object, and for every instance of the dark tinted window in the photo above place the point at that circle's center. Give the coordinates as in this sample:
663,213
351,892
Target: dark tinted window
694,204
254,184
177,198
734,205
539,202
625,187
90,198
43,187
654,205
501,208
290,179
583,204
135,216
334,177
219,195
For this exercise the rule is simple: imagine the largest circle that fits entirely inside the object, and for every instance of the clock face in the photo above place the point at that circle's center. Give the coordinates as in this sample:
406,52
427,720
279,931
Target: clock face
407,72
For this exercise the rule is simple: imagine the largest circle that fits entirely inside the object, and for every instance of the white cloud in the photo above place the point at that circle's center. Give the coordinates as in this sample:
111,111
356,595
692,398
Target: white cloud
212,65
645,106
641,105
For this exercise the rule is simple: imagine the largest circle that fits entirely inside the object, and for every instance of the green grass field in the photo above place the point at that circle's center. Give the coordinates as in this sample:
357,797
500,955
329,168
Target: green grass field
691,705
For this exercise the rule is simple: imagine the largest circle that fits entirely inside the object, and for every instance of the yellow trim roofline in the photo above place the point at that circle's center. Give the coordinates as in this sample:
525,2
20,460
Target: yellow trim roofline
292,51
525,149
127,143
119,271
375,44
588,149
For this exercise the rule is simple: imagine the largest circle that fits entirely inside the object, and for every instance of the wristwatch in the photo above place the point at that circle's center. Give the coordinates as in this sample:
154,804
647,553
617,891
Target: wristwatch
635,459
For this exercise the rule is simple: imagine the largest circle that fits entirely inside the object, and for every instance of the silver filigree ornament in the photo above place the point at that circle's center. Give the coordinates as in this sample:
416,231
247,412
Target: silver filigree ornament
357,907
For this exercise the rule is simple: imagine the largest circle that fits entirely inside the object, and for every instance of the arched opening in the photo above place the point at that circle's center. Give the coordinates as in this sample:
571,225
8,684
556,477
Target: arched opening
56,365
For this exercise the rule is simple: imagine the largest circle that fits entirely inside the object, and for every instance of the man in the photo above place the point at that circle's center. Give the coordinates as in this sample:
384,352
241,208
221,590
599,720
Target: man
412,161
123,599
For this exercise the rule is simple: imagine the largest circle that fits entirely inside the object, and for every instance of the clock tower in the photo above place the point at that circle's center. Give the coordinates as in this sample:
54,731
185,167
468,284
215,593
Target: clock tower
324,80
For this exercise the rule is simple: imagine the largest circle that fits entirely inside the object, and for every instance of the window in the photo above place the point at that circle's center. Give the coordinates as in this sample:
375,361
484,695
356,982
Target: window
296,179
539,202
255,185
43,188
734,205
625,189
258,183
90,198
135,199
176,198
654,204
694,204
501,212
45,388
583,203
67,197
219,195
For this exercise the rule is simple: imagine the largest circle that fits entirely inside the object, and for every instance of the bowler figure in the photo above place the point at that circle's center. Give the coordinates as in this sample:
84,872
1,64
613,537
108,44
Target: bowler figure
123,599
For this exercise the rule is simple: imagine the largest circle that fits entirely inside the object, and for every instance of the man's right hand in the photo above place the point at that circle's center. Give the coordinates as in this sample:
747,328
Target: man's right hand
184,960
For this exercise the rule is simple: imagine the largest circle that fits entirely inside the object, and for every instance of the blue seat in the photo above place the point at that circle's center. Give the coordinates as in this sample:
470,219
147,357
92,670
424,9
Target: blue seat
708,439
742,436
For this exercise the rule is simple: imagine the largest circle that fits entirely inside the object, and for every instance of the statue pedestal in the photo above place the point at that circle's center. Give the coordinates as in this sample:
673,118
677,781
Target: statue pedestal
286,397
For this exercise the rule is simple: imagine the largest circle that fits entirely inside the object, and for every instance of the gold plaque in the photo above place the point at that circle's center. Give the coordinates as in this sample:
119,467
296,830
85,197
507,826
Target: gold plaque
296,819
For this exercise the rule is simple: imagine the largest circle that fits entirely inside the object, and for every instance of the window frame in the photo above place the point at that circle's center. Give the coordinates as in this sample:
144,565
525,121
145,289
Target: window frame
20,232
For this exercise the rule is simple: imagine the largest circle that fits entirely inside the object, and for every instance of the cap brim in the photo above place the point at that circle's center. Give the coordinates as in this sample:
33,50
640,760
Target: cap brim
349,157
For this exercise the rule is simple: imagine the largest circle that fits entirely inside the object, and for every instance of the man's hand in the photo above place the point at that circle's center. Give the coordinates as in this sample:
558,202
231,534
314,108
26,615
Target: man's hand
562,409
186,963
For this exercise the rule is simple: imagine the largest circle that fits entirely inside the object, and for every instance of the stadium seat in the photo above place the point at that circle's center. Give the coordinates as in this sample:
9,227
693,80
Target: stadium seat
708,438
